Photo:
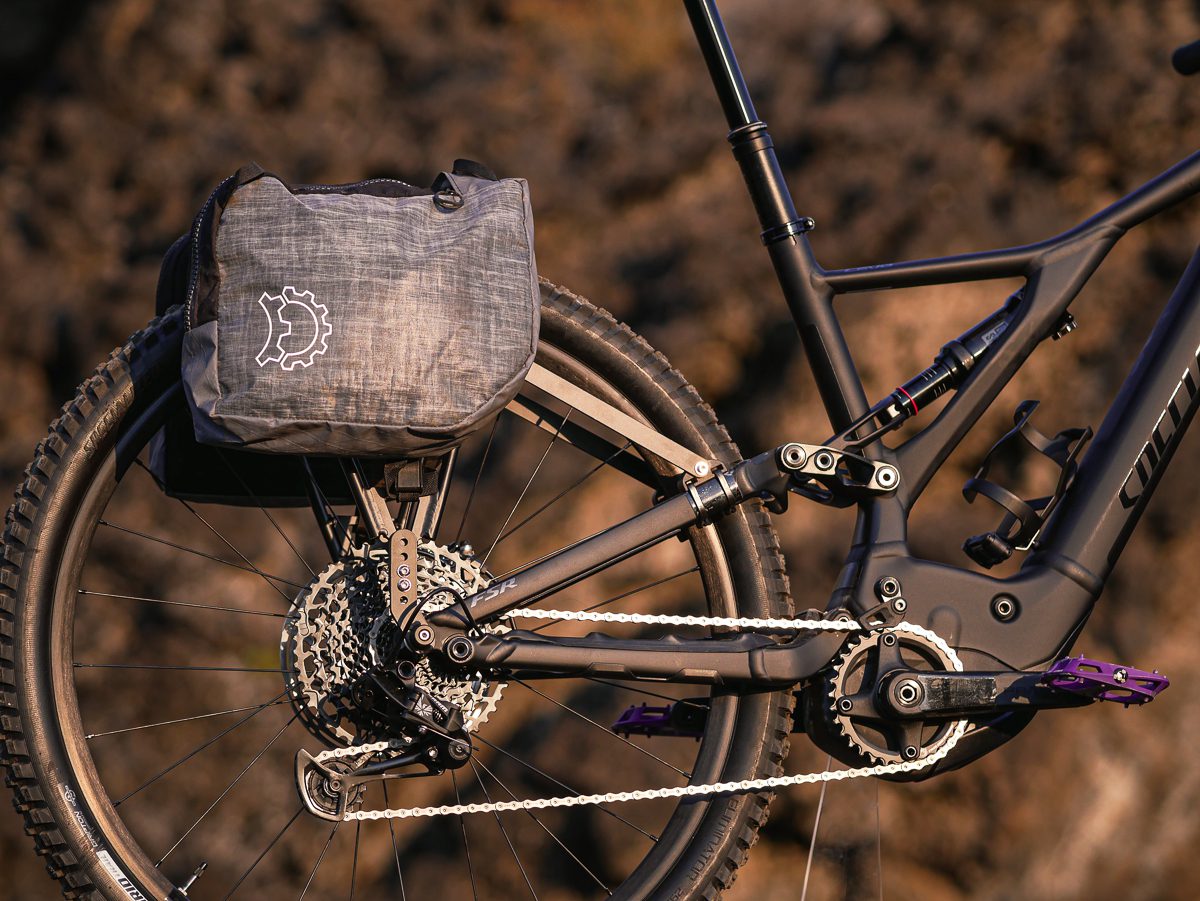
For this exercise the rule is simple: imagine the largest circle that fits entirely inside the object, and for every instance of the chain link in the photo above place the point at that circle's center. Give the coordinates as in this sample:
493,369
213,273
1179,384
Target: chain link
681,791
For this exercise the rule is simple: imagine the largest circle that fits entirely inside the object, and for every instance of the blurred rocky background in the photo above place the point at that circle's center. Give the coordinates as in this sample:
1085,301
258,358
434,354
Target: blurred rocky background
907,129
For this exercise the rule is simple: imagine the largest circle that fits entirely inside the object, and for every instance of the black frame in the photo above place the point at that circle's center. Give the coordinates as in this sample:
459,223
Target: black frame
1059,582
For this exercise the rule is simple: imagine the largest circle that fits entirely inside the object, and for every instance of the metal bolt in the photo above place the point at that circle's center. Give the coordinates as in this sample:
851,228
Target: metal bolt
1120,676
793,456
889,639
192,879
404,570
910,753
432,754
405,584
887,477
701,468
908,692
1004,607
899,605
423,635
823,460
845,705
888,587
466,550
459,649
459,750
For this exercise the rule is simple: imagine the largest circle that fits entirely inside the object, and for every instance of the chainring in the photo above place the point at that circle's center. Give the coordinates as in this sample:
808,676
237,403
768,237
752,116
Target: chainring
858,670
326,644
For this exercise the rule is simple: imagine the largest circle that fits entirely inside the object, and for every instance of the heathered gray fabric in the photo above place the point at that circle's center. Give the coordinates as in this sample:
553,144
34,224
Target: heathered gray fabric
431,318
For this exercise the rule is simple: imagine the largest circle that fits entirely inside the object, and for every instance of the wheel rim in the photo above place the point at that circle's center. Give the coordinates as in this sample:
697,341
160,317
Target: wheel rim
488,780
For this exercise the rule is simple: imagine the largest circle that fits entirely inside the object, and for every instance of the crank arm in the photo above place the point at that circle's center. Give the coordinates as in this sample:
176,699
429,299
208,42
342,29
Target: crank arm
908,694
747,661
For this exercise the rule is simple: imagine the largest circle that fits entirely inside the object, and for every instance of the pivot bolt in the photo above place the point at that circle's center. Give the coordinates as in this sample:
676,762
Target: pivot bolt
793,456
459,649
459,750
1120,675
887,476
887,588
889,639
423,635
911,752
845,705
823,460
899,605
1004,607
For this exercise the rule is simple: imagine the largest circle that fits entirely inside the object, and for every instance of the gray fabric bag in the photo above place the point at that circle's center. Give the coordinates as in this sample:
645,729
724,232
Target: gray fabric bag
372,319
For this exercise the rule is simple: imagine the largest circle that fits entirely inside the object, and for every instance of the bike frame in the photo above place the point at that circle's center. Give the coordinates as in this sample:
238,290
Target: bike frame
1055,589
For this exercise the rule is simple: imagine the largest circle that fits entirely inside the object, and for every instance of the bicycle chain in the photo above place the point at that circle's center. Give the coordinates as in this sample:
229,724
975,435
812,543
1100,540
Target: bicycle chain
682,791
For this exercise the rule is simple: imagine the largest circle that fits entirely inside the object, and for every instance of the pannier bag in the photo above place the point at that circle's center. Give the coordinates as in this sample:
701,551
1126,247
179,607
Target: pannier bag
369,319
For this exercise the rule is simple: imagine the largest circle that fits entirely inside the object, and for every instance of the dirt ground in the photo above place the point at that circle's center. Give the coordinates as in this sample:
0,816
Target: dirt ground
907,129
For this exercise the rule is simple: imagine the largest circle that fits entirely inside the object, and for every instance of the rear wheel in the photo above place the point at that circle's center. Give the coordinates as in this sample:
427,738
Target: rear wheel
150,726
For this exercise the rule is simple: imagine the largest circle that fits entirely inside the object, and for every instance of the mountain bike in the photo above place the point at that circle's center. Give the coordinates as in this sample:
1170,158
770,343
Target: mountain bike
592,666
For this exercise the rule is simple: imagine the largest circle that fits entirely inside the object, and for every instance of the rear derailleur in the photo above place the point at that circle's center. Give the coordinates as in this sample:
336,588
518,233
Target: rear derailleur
431,738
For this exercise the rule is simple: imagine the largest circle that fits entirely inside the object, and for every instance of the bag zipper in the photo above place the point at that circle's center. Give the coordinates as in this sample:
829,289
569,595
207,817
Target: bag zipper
195,255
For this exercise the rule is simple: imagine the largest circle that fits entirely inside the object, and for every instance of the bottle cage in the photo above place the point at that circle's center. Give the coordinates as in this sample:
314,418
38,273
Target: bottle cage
1024,518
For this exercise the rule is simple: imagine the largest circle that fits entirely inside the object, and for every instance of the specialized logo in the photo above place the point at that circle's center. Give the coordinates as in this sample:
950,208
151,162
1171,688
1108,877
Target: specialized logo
298,329
1182,400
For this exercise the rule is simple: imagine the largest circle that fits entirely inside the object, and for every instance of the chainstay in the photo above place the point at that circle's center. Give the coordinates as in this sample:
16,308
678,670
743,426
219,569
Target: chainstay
681,791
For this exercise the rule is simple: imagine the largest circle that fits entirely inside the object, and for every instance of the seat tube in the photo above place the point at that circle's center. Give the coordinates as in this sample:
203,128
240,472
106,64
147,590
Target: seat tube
782,228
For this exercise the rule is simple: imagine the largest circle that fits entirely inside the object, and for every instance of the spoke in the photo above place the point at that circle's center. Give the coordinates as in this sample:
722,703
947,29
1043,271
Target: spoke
228,789
878,841
320,859
395,849
206,556
271,844
197,750
525,490
183,719
812,844
574,791
267,513
478,473
354,863
163,666
466,844
558,497
605,729
134,597
545,828
229,544
504,832
613,600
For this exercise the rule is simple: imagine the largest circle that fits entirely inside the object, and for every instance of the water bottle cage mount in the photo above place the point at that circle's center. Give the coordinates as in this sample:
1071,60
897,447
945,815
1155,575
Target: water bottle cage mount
1023,519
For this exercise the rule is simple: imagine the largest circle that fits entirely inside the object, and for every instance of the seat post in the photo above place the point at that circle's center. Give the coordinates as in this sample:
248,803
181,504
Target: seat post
782,229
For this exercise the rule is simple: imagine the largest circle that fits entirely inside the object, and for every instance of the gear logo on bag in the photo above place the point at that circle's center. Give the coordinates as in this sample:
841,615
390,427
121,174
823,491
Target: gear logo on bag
298,329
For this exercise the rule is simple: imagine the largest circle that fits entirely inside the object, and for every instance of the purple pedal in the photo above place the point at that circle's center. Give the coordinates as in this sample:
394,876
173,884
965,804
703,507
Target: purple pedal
1105,681
682,719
